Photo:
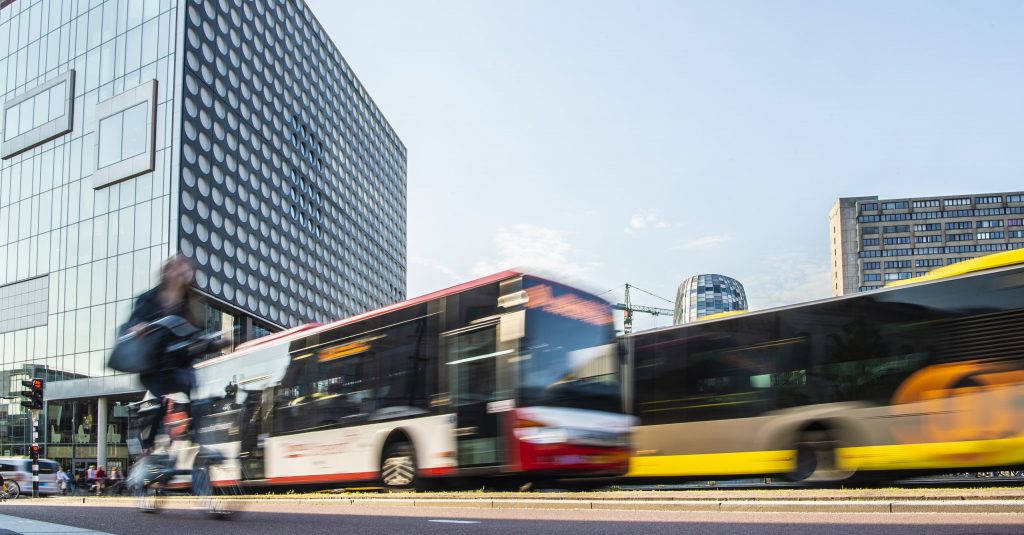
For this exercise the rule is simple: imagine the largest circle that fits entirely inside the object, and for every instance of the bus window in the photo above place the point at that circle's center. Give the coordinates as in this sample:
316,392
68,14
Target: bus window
473,357
568,359
343,390
472,305
865,359
720,384
658,372
715,375
294,393
407,360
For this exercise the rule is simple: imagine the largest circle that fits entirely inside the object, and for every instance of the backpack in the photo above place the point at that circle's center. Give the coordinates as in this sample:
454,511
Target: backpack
144,351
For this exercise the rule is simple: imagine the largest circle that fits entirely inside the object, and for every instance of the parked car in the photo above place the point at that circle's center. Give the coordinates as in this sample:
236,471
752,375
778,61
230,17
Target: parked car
19,471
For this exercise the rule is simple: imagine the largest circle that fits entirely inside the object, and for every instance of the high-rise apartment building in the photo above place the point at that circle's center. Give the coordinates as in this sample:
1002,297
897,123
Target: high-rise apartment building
708,294
232,132
874,240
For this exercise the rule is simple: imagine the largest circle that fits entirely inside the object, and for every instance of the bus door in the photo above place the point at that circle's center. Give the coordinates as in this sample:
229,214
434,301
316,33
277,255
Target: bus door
479,394
254,428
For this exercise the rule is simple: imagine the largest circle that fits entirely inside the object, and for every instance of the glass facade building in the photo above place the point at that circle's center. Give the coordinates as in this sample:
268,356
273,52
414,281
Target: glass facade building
707,294
874,241
230,131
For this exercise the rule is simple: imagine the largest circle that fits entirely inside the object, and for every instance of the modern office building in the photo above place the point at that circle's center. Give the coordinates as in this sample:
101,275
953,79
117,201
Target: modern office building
232,132
707,294
874,240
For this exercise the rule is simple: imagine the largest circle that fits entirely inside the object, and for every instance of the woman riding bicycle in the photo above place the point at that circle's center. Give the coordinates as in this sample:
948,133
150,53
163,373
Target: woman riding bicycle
174,373
160,341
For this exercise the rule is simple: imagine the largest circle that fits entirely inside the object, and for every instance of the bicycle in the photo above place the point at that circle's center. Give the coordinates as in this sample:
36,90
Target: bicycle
152,478
108,488
115,487
9,491
172,342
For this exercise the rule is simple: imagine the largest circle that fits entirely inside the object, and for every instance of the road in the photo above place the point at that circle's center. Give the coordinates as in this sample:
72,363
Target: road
311,519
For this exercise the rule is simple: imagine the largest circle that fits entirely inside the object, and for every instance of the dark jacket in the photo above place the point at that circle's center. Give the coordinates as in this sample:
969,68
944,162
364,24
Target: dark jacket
173,375
148,308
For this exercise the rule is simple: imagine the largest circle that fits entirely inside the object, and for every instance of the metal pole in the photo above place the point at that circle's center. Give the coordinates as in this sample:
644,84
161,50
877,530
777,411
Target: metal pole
44,424
34,416
627,320
101,432
74,439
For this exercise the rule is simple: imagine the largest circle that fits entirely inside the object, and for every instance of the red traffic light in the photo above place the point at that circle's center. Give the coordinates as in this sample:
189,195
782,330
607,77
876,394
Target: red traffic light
35,396
34,384
35,448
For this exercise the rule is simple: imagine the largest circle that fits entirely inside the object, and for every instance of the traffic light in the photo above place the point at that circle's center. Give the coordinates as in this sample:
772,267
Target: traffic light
34,394
35,452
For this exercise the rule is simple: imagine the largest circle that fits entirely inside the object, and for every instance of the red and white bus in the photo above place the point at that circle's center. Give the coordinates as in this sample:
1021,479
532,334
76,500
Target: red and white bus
508,375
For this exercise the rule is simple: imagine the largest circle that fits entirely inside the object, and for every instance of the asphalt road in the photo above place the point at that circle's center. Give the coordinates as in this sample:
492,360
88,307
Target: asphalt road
367,519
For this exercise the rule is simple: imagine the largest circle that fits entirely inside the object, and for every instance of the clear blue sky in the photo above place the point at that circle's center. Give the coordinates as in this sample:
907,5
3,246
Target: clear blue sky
645,141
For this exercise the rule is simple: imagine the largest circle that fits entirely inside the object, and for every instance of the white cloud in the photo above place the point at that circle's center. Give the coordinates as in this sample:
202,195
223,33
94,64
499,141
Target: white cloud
787,280
537,247
640,221
703,242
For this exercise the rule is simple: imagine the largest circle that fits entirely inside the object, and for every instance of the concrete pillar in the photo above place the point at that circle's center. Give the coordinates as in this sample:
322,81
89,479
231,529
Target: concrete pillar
101,433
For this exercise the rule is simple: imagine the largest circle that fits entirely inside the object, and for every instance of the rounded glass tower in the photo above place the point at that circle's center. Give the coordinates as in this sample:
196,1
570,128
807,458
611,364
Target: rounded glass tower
707,294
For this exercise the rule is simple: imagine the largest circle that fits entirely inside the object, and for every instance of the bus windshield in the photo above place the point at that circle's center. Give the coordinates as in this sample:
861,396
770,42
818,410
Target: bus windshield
568,357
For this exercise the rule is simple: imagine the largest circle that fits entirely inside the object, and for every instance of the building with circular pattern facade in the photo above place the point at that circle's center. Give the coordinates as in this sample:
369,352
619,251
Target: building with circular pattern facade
292,182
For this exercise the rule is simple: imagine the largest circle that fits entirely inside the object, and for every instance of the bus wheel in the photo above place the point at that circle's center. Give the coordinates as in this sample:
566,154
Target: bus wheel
816,460
398,466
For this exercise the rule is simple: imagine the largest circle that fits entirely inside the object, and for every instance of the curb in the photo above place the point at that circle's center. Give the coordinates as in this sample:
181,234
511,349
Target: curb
732,506
977,506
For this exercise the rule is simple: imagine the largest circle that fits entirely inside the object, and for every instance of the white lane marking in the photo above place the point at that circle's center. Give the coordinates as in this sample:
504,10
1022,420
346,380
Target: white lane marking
26,526
445,521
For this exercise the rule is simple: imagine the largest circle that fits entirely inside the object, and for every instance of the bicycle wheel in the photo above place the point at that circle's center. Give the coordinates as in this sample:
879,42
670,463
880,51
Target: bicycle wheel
220,500
11,489
147,499
139,483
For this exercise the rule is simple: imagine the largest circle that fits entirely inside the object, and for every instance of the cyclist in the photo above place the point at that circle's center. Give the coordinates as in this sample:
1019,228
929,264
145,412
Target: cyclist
174,374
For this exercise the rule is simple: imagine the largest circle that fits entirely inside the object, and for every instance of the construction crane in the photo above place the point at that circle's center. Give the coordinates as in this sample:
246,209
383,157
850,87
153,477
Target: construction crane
628,308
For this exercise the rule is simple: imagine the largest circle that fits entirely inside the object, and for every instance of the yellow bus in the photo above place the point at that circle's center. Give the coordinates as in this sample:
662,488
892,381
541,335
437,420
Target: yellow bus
915,378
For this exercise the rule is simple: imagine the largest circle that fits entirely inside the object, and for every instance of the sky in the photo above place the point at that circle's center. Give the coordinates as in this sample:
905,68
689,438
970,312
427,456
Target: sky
645,141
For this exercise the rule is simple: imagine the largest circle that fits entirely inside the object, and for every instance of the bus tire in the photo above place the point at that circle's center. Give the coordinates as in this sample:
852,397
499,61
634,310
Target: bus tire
398,466
816,460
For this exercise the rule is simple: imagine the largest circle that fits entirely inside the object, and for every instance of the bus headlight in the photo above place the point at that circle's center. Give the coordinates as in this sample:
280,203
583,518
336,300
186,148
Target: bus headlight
535,432
542,435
